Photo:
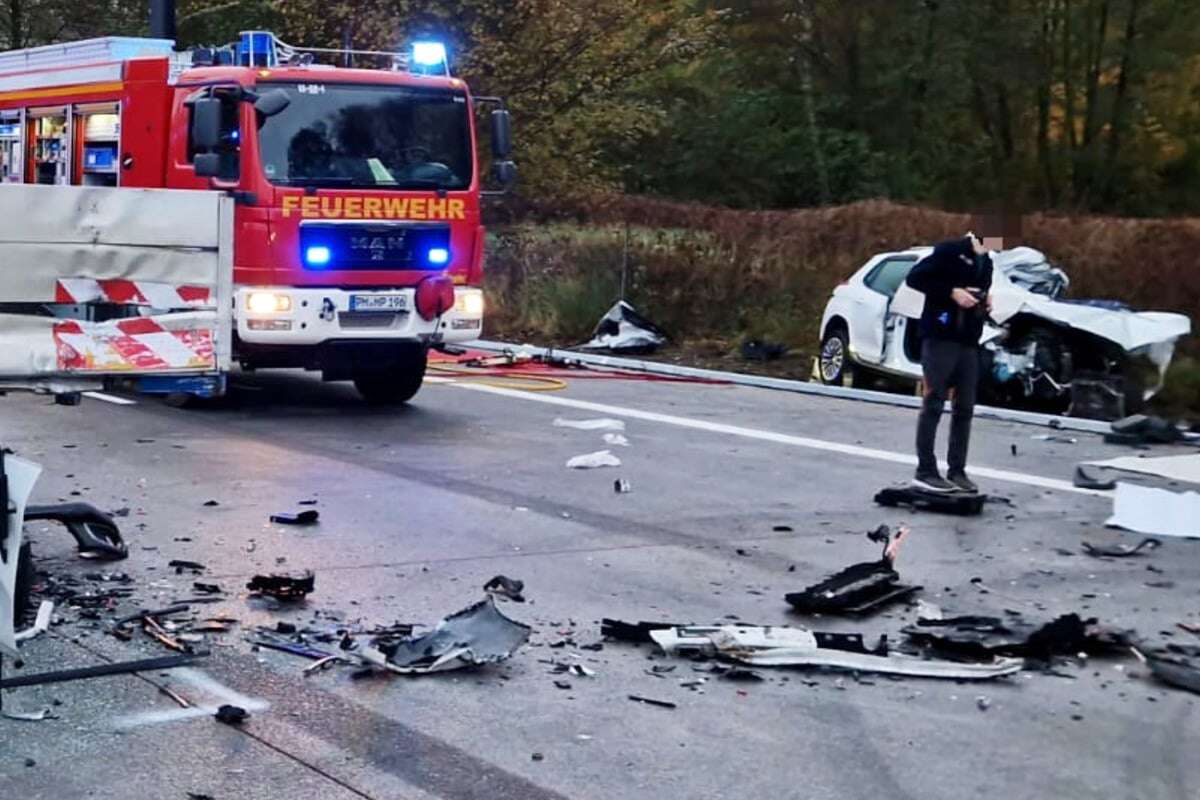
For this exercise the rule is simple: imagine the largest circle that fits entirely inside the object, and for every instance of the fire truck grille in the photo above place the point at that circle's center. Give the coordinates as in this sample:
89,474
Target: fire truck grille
375,246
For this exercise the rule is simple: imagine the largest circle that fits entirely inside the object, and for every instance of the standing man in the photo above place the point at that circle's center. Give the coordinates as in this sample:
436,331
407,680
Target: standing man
956,279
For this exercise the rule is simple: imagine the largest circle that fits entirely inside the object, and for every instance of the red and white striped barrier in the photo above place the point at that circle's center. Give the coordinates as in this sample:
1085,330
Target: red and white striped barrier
127,292
133,345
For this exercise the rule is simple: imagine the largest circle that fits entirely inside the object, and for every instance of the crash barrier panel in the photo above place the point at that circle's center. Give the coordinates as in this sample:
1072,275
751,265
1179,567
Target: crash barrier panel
100,283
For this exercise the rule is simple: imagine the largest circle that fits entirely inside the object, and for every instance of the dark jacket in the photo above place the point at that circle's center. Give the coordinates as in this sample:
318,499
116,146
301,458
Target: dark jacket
952,265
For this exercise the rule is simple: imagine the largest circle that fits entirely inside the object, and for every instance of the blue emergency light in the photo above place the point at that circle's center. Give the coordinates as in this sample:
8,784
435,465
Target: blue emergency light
317,255
438,255
428,54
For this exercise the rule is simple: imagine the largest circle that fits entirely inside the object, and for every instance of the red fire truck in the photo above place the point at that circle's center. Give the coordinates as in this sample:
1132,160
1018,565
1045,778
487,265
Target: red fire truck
358,242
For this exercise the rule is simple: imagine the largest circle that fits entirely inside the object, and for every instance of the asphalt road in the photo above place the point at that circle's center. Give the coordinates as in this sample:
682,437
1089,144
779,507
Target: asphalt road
420,506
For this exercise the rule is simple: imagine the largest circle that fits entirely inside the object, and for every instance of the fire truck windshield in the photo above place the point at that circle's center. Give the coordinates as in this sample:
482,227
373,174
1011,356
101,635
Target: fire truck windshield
356,136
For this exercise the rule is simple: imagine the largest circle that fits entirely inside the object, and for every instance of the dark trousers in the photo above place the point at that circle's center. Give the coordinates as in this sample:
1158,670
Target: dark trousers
947,364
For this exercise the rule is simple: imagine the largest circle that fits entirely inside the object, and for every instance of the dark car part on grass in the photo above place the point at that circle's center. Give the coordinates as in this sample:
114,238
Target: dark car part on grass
1143,429
759,350
96,534
103,670
983,637
505,586
1121,550
859,588
232,715
307,517
1087,477
283,586
479,634
958,503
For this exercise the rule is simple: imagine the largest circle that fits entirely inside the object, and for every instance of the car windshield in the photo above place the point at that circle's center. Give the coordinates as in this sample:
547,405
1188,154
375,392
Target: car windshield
367,137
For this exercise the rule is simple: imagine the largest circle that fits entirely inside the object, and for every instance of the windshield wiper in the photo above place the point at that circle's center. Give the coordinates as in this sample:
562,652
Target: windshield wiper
327,180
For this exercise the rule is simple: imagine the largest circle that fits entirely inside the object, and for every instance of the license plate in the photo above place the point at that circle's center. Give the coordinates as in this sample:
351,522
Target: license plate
378,302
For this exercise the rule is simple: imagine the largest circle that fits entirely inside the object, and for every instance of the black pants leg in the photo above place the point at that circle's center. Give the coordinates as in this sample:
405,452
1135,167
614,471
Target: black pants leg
966,383
939,362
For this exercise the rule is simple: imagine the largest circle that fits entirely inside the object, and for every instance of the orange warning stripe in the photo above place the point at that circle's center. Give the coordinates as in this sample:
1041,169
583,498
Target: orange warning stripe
62,91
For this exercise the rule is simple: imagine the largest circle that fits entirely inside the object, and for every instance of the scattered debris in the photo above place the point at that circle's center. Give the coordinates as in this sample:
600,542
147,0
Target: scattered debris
537,757
1159,512
621,486
860,587
506,587
179,566
1121,550
306,517
1052,437
207,588
1184,468
741,675
232,715
782,528
985,637
602,424
782,646
616,440
1180,672
283,586
600,458
623,330
1143,429
29,716
947,503
211,503
983,702
479,634
96,533
1088,478
295,648
651,702
633,632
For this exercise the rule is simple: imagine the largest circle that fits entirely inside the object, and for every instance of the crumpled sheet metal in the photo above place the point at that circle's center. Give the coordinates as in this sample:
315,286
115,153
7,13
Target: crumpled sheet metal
623,330
983,637
782,646
479,634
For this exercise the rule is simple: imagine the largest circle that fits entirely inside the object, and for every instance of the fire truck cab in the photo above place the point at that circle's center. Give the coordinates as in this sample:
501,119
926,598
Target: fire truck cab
358,243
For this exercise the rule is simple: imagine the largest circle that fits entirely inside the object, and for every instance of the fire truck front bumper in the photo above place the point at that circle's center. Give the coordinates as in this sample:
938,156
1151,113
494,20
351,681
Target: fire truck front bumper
295,316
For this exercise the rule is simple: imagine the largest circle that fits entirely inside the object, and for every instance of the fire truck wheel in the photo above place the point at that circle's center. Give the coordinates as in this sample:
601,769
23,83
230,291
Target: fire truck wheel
390,387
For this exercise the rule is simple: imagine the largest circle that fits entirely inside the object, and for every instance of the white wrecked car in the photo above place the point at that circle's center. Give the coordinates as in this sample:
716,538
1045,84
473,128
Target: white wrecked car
1094,357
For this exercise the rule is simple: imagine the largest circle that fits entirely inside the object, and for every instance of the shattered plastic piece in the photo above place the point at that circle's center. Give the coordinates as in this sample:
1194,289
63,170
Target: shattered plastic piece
179,566
860,587
621,486
40,624
601,458
633,632
602,424
283,586
96,534
294,648
1121,550
623,330
782,646
506,587
306,517
1158,512
29,716
984,637
211,503
1182,468
1088,478
946,503
206,588
1176,672
476,635
231,715
615,440
651,702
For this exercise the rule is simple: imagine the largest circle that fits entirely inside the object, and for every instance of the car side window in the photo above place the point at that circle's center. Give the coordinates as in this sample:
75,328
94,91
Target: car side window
889,274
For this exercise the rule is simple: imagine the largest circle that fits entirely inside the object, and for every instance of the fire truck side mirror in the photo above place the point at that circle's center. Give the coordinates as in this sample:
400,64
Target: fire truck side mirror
206,124
501,134
271,103
207,165
504,173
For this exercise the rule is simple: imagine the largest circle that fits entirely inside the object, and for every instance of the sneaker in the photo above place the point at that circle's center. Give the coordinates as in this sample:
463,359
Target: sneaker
960,480
934,483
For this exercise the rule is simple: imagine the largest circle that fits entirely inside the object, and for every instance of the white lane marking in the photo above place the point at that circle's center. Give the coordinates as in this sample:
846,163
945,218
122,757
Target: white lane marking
779,438
223,694
108,398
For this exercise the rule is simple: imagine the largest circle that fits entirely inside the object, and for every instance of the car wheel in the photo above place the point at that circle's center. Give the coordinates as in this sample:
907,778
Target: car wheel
834,361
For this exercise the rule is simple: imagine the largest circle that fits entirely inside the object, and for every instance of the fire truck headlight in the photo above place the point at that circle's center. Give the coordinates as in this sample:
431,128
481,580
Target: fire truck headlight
268,302
428,54
317,255
469,302
438,255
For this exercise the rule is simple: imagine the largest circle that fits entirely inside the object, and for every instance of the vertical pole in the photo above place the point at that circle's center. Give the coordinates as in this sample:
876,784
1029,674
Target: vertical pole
162,19
346,58
625,261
